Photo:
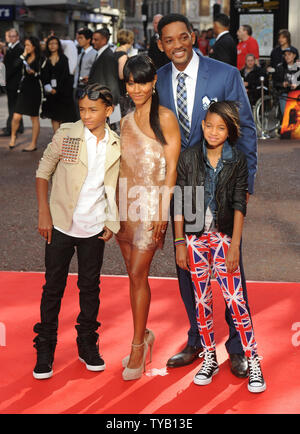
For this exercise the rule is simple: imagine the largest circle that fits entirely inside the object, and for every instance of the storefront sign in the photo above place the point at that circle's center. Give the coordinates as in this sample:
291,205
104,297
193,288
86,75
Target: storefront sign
6,13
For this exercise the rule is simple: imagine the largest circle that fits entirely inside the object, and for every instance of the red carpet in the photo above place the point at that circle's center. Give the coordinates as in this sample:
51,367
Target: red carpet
275,310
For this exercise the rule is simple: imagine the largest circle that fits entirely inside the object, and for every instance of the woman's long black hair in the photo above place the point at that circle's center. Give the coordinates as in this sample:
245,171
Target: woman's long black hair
59,51
37,48
142,70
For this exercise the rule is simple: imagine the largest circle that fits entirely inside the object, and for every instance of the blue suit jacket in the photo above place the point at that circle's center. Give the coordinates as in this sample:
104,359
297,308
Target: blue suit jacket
220,81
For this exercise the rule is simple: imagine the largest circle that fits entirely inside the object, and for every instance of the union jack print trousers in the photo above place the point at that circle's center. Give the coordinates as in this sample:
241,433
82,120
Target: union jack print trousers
208,253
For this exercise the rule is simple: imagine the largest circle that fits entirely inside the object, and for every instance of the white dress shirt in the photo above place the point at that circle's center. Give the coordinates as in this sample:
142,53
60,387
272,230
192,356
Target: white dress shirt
11,45
221,34
90,212
191,71
70,50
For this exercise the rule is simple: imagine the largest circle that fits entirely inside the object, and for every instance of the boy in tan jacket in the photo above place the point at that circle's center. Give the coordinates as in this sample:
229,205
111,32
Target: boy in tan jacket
83,163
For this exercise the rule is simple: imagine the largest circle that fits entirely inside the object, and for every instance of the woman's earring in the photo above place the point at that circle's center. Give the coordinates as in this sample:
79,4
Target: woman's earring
153,91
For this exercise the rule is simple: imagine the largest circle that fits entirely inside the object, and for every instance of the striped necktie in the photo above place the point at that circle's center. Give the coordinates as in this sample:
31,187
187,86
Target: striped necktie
182,104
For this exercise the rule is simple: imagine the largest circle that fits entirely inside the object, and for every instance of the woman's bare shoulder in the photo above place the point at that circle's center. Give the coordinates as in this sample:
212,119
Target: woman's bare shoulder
166,115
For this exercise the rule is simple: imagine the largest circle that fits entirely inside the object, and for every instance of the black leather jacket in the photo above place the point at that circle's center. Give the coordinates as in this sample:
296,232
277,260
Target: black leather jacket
231,188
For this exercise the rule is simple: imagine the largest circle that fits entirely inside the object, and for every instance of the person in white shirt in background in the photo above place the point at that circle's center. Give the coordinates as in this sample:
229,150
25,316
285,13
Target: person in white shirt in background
70,51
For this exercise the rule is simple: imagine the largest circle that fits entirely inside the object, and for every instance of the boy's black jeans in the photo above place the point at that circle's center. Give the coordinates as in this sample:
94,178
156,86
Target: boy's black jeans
57,261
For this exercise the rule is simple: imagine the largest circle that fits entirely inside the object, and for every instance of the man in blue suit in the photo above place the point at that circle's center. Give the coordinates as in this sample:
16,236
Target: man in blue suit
205,80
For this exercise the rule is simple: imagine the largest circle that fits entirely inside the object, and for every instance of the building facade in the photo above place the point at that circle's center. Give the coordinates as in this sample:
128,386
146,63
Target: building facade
139,13
38,17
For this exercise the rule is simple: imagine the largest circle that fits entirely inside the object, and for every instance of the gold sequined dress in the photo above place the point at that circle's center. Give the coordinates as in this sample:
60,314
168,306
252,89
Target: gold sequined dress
142,173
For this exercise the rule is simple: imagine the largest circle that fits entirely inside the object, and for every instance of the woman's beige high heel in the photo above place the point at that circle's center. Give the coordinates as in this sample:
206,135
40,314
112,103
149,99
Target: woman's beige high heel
149,339
134,374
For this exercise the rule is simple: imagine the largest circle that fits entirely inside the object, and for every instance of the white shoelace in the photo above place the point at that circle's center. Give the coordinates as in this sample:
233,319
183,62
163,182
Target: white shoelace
255,373
208,364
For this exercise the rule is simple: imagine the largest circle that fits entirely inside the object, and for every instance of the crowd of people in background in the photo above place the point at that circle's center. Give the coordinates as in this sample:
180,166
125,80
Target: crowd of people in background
44,78
219,44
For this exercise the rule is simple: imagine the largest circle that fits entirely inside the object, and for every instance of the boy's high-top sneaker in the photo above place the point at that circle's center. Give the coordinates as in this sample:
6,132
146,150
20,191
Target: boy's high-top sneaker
45,357
89,354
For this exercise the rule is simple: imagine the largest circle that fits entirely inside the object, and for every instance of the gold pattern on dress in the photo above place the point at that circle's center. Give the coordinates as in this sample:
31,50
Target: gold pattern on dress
142,175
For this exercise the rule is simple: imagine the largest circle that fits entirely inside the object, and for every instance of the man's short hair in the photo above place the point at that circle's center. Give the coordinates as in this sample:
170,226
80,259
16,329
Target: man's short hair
223,20
103,32
173,18
14,30
86,32
247,28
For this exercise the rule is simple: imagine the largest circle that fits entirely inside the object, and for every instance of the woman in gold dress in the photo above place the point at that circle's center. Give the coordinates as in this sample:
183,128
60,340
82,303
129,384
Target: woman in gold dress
150,148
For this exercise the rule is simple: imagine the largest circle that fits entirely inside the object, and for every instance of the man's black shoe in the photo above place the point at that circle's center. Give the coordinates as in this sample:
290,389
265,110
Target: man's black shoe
89,354
239,365
187,356
45,358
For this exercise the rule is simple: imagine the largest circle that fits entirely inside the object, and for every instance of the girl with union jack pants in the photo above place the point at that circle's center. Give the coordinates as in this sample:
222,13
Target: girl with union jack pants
213,177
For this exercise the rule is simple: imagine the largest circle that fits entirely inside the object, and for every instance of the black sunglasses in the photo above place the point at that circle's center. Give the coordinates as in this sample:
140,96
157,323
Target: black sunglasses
93,95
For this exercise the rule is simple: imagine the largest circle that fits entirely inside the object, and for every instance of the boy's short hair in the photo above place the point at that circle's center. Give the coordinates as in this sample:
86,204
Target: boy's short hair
86,32
173,18
95,91
228,111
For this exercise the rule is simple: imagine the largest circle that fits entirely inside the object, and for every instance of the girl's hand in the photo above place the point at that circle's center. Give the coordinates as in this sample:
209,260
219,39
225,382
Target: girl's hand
182,258
107,234
159,228
232,258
